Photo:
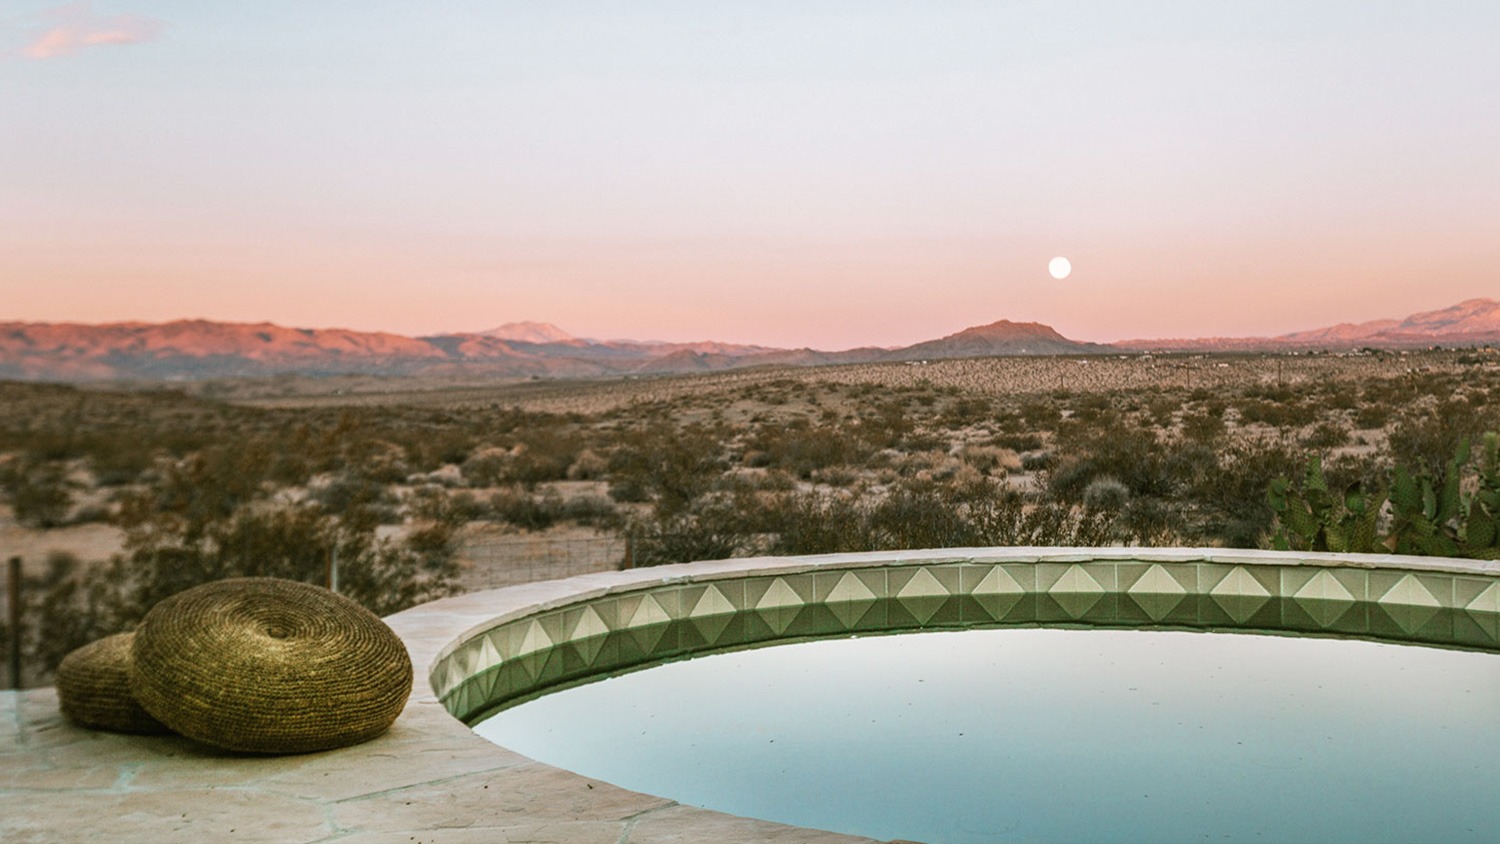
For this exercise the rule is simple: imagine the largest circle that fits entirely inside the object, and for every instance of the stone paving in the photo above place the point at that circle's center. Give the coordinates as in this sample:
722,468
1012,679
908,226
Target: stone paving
428,779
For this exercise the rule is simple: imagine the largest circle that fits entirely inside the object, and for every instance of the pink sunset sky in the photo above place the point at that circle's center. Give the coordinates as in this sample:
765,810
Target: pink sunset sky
819,173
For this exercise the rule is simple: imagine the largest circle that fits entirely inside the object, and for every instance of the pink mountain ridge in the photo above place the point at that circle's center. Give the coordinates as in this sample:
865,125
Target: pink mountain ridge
192,349
1475,322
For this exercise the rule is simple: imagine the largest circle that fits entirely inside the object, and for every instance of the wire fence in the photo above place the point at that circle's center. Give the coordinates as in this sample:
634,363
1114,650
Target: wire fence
491,563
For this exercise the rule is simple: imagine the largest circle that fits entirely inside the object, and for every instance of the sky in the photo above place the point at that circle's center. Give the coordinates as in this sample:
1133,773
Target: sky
826,173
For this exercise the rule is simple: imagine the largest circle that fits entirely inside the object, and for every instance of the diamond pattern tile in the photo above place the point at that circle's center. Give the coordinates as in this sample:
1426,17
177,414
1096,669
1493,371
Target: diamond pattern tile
648,613
611,633
484,684
923,596
711,613
998,592
1324,598
1487,601
1076,591
535,639
1410,603
850,599
489,655
588,635
1483,612
780,605
1157,592
1240,594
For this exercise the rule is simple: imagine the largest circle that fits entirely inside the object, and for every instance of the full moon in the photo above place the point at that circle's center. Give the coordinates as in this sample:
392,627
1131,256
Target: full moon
1060,267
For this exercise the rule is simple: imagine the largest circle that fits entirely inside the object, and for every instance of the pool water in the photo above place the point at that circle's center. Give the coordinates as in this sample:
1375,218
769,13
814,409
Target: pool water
1047,735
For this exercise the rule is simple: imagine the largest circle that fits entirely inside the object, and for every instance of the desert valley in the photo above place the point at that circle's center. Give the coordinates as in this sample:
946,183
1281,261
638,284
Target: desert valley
422,466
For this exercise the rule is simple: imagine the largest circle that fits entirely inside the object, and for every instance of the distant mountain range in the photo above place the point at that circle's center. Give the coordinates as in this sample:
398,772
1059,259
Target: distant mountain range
196,349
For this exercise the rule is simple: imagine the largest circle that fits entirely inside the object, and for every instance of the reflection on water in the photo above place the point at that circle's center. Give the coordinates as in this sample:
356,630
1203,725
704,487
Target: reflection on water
1052,735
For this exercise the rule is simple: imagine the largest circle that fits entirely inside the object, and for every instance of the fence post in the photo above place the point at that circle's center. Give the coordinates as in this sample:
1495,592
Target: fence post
629,552
15,623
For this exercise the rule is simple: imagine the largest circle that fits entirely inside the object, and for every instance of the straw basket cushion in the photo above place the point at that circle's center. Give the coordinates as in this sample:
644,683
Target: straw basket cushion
269,666
93,688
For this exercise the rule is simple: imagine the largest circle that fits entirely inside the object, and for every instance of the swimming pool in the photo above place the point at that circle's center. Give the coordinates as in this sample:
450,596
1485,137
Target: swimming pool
1101,735
746,605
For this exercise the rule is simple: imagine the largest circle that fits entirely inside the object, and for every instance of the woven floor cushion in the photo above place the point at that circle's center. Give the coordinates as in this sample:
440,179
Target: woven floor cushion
264,665
93,688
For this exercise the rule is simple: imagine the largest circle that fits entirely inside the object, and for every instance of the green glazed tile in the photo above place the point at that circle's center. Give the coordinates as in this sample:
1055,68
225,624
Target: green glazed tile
816,620
872,579
1469,632
1410,588
1411,623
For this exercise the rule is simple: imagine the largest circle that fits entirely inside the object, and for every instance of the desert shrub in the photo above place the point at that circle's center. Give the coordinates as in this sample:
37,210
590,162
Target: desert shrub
91,514
122,464
1424,440
526,511
488,466
1232,499
1094,409
923,440
591,510
803,448
1040,414
1072,474
436,504
1189,465
1018,442
1038,461
76,604
1130,453
1163,409
665,464
352,492
1105,493
835,476
1151,522
1372,416
39,492
1203,427
926,515
544,455
64,607
989,459
965,411
1279,413
1389,392
202,488
708,530
587,466
1325,435
815,524
629,490
1340,396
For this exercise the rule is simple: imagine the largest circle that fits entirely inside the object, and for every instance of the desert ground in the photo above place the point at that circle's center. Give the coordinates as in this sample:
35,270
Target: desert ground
112,495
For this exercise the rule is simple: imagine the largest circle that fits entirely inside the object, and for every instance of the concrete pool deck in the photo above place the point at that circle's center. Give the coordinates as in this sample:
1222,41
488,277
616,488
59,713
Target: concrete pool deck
430,779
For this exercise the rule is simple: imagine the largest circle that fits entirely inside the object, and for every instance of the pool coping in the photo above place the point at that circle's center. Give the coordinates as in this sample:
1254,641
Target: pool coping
430,778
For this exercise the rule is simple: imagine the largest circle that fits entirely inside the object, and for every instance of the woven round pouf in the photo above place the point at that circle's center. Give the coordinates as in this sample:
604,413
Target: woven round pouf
269,666
93,688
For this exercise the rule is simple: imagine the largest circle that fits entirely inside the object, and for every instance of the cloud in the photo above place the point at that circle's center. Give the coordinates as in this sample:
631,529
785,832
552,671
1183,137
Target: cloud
76,27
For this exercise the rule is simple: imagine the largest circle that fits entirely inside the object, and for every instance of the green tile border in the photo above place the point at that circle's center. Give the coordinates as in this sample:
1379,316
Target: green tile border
598,634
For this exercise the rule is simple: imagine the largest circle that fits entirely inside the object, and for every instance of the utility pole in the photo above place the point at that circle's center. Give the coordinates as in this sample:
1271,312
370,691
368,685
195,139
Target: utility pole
15,622
333,569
